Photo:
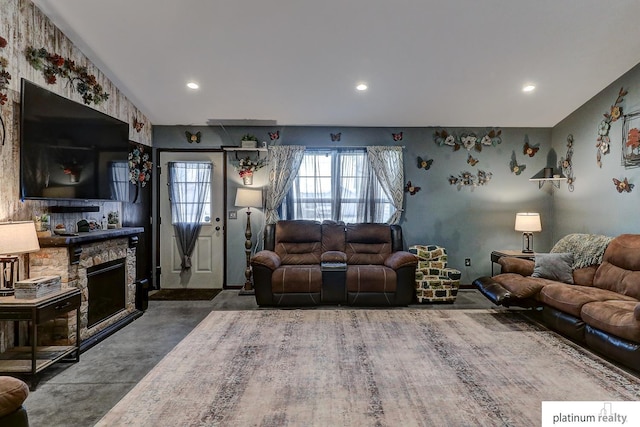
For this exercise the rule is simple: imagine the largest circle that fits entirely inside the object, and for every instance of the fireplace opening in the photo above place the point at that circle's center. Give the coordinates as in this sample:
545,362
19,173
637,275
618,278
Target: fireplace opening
107,285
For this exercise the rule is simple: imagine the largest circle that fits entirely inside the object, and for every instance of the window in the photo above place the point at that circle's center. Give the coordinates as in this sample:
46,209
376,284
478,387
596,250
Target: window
336,184
191,190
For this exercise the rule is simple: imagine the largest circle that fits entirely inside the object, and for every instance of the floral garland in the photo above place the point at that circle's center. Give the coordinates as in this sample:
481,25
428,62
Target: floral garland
139,166
4,74
246,166
54,65
468,140
603,128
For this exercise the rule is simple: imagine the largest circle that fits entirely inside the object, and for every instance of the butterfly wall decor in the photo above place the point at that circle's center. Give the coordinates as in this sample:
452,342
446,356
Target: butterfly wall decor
137,125
397,136
336,136
623,186
530,150
514,167
274,135
193,137
424,163
472,160
411,189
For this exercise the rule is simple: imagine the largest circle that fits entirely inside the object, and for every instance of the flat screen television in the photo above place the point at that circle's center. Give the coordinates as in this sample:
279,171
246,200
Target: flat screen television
69,150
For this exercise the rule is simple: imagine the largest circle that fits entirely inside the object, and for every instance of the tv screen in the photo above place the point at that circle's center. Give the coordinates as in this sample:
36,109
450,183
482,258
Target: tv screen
69,150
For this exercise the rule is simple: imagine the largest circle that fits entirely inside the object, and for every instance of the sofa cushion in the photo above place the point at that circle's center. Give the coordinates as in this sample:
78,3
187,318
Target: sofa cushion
521,286
620,268
333,236
571,298
370,278
298,242
636,311
509,264
554,267
368,243
13,393
584,276
614,317
296,278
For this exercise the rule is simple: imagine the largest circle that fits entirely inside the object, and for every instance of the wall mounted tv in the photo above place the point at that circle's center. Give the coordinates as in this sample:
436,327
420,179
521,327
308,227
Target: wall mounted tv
69,150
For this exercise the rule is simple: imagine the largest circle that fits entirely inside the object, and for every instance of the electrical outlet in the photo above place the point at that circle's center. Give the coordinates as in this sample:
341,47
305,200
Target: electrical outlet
233,214
467,262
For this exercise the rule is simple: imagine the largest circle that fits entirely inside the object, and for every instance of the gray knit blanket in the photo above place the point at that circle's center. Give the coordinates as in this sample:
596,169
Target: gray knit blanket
587,249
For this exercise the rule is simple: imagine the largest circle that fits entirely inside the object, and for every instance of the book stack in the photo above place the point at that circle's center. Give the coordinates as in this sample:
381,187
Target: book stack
37,287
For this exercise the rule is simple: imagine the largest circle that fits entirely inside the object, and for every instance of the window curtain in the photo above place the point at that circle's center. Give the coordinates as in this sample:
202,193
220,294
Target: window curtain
387,164
119,181
284,162
189,184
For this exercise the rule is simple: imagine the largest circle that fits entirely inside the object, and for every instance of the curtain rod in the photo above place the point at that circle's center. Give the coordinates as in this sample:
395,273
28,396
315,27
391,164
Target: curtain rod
351,147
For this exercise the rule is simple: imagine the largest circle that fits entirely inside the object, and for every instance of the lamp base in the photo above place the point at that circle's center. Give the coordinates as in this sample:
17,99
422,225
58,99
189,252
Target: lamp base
6,292
243,291
527,242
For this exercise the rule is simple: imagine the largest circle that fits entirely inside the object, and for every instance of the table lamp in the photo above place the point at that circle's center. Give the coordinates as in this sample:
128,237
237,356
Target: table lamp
248,198
16,238
528,222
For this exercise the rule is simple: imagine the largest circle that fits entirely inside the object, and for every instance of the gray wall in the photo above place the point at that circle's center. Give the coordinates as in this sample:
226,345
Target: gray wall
469,222
595,206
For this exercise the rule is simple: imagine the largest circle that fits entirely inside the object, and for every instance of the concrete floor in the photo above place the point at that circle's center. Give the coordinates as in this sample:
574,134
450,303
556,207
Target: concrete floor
79,394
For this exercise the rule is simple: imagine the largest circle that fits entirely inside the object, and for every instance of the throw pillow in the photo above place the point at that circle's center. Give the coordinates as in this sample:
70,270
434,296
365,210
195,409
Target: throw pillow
554,267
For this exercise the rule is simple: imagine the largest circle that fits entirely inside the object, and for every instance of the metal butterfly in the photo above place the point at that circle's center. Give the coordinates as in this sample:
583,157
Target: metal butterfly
424,163
137,125
530,150
397,136
472,161
623,185
336,136
274,135
193,137
411,189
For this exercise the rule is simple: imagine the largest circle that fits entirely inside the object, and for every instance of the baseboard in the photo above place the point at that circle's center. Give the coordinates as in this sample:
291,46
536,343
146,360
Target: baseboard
109,330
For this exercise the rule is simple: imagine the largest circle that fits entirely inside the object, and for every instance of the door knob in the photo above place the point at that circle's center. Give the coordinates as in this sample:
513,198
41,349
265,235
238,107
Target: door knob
217,228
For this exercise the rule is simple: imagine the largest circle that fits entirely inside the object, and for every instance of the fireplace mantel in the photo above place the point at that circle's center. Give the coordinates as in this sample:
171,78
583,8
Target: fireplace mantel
76,241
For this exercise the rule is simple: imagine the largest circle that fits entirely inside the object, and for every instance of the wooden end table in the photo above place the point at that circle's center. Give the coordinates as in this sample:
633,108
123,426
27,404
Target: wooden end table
33,359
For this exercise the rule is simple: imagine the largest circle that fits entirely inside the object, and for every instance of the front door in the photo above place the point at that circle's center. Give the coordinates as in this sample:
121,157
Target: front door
208,256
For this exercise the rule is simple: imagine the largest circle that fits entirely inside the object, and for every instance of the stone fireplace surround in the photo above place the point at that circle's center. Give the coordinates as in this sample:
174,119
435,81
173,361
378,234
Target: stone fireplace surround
70,257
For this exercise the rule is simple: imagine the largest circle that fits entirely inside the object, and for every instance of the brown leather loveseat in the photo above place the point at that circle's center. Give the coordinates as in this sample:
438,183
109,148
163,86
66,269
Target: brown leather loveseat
309,263
598,307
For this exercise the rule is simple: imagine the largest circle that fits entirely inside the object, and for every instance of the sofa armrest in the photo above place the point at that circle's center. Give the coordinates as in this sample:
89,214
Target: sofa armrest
521,266
636,311
333,256
401,259
267,259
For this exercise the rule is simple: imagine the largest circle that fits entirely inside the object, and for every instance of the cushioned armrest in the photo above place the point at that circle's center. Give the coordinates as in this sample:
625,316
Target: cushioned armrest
494,291
266,258
636,311
401,259
521,266
333,256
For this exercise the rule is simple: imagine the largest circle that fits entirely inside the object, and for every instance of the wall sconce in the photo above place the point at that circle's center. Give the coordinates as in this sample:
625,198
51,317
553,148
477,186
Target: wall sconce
16,238
528,222
248,198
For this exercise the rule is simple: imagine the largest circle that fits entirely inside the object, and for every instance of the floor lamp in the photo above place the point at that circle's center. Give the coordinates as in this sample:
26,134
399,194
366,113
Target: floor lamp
248,198
16,238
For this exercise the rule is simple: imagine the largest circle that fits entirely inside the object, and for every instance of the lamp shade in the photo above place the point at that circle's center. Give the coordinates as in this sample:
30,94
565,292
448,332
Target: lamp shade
18,238
246,197
528,222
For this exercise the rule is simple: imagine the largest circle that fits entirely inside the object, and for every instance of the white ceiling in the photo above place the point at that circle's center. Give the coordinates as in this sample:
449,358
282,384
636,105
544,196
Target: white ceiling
296,62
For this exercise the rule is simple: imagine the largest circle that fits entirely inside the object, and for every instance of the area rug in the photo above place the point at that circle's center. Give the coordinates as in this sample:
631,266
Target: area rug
184,294
349,367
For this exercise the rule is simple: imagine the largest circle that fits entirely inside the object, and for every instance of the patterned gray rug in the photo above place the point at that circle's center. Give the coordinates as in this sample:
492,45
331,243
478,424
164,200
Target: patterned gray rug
367,368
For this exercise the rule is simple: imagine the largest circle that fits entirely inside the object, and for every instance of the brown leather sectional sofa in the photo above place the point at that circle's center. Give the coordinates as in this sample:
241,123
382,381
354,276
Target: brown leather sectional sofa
601,309
309,263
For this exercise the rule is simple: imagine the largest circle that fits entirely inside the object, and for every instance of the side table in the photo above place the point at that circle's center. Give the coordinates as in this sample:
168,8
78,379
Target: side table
496,255
33,359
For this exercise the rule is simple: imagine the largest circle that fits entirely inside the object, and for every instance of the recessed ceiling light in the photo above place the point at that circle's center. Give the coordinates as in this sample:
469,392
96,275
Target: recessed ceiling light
193,85
528,88
362,87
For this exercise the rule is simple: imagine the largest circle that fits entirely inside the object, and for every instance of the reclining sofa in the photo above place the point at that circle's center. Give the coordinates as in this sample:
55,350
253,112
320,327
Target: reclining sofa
309,263
597,303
